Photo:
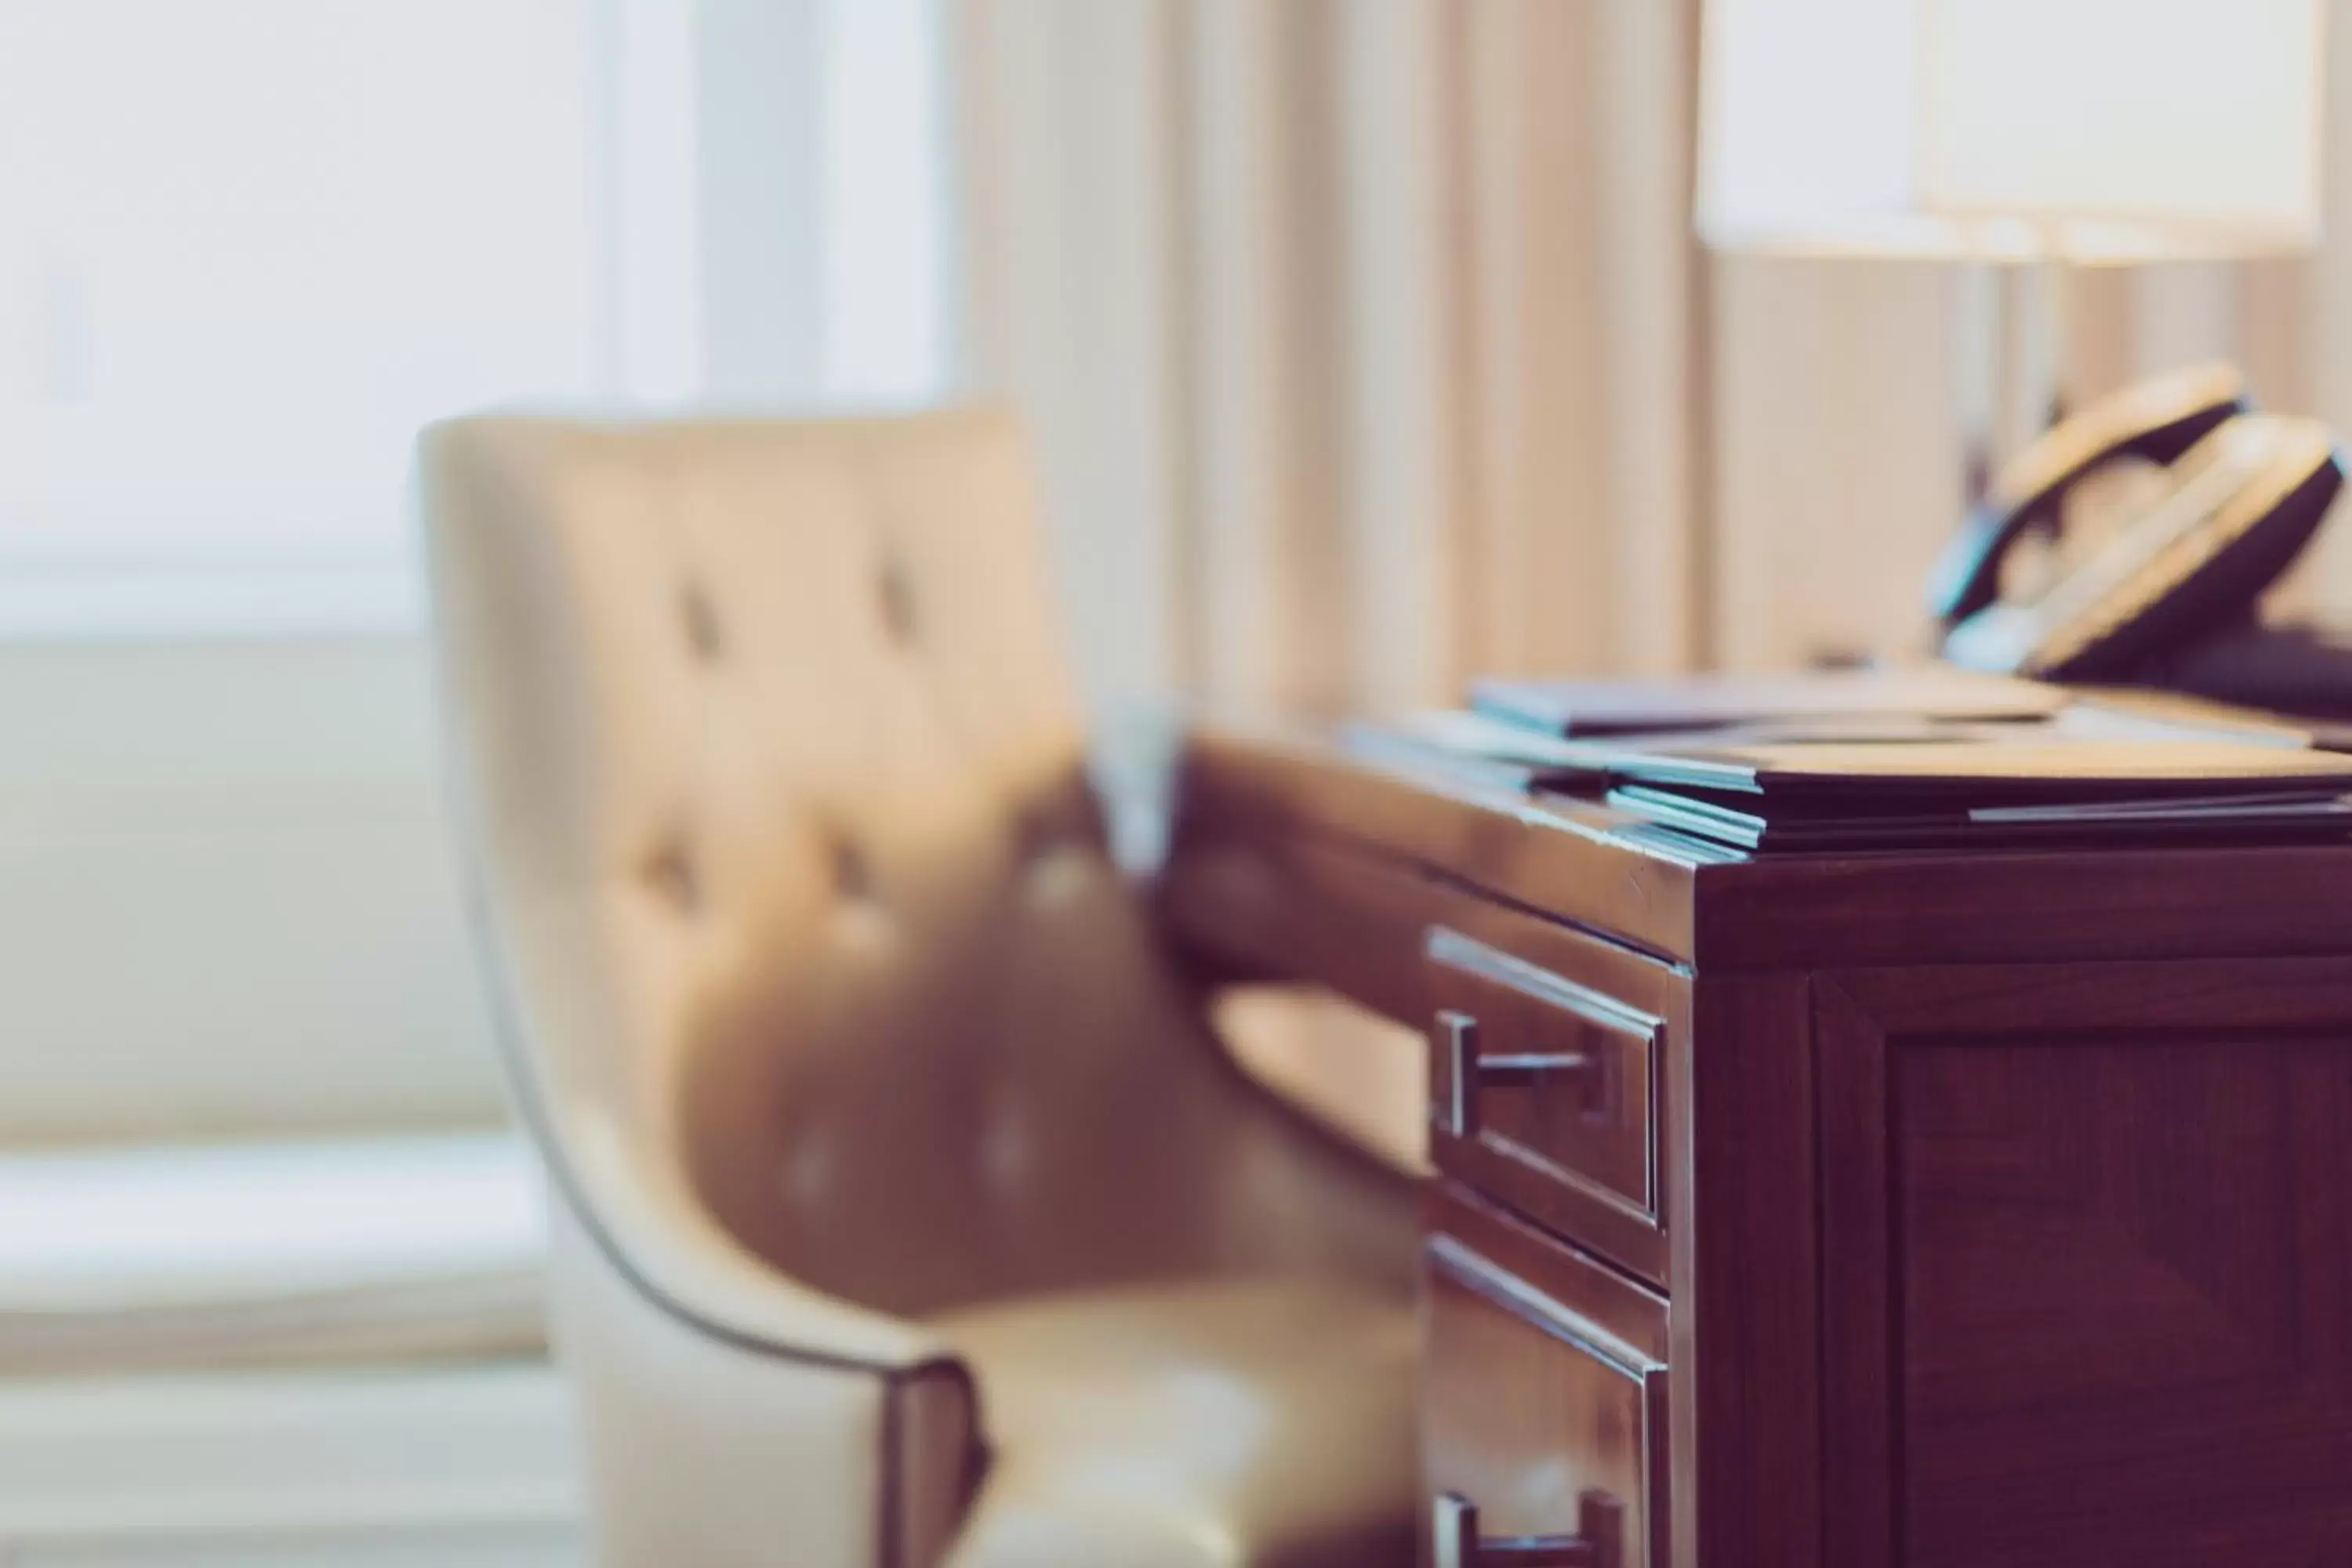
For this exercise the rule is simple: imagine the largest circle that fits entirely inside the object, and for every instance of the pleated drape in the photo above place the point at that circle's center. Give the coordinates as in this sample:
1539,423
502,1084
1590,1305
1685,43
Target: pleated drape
1361,337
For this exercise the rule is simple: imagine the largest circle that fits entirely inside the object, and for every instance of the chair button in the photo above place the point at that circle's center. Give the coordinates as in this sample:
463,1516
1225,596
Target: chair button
700,620
852,873
808,1169
1056,875
895,593
670,872
1005,1148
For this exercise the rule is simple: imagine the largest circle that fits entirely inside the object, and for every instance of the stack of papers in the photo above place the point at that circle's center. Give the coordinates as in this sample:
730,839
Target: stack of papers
1839,761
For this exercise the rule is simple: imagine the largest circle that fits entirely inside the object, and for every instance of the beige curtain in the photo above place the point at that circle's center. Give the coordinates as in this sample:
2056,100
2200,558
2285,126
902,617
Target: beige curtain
1360,336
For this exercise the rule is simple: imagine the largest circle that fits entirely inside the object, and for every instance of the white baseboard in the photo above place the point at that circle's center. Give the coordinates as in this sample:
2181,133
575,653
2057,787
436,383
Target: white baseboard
461,1467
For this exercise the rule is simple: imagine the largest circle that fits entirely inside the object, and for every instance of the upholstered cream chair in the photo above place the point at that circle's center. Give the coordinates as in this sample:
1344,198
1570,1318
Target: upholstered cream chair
909,1212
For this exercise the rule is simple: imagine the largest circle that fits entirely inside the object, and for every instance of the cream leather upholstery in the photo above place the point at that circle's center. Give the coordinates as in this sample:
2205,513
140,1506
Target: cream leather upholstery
910,1214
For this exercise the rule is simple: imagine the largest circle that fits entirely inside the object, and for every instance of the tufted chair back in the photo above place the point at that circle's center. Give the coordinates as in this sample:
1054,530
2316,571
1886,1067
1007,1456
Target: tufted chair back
777,776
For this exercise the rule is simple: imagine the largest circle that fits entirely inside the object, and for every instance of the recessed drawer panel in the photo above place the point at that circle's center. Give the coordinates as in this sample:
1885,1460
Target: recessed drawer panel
1547,1065
1545,1402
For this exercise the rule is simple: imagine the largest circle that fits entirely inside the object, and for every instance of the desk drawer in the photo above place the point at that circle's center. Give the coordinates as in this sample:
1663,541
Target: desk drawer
1548,1057
1544,1399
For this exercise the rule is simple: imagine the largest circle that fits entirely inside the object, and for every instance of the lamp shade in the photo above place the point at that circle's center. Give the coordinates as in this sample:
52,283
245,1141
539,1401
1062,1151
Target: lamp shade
2094,129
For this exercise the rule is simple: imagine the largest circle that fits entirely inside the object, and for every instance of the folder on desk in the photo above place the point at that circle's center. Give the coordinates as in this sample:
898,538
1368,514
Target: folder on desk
1932,692
2031,767
2273,816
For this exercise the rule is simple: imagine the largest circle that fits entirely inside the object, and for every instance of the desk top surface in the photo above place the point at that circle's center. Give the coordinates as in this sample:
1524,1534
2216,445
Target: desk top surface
1696,904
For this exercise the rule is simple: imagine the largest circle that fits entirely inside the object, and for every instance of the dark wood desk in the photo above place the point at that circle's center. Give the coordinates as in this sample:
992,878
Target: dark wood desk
1948,1211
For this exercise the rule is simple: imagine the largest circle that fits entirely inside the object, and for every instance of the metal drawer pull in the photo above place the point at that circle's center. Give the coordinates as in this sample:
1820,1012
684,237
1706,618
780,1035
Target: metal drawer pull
1463,1069
1517,1072
1599,1541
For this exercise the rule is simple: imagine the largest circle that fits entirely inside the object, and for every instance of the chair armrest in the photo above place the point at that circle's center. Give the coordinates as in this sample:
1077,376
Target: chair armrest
729,1412
664,1244
732,1415
703,1447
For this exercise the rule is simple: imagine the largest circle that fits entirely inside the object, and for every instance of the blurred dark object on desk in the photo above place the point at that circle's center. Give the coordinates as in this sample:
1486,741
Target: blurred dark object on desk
2303,672
2169,593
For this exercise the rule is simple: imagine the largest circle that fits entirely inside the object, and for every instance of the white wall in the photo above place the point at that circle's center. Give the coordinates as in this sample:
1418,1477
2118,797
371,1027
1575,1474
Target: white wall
227,897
